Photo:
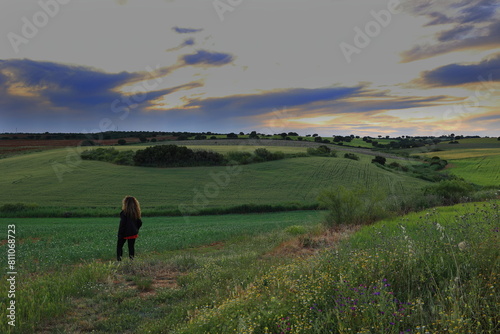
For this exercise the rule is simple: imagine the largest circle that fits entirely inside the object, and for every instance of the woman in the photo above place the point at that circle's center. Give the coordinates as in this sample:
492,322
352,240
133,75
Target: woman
130,223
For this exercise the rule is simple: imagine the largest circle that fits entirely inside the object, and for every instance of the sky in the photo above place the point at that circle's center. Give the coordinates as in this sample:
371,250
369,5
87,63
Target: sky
332,67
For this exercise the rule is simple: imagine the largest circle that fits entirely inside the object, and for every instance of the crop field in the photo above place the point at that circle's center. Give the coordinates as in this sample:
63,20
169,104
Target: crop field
47,243
58,178
475,160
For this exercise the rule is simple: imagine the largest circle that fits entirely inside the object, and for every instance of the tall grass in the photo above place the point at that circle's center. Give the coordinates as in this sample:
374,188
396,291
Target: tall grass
47,296
430,272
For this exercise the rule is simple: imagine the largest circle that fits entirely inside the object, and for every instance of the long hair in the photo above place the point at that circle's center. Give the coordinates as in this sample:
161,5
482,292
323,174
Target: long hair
131,207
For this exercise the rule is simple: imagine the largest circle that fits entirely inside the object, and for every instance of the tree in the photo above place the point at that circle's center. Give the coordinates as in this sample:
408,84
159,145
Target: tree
379,159
122,141
318,139
337,139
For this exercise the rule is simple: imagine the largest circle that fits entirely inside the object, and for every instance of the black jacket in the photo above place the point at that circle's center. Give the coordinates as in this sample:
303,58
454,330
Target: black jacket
128,226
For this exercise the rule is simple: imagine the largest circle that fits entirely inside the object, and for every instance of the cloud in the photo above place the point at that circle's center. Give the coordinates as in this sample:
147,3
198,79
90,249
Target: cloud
265,101
462,74
457,33
186,30
203,57
187,42
476,25
31,87
303,103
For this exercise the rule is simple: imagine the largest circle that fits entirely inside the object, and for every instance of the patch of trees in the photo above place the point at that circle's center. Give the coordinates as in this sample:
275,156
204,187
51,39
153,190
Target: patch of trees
408,142
259,155
176,156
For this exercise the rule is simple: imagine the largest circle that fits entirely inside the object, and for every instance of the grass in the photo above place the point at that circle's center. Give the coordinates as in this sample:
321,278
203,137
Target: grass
45,244
63,266
429,272
63,182
476,160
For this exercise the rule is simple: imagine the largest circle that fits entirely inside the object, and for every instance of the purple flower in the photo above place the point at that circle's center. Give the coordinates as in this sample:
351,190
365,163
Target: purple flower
376,293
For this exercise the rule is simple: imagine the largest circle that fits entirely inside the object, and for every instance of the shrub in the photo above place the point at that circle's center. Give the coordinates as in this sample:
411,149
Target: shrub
17,207
394,165
239,158
380,160
122,141
351,206
351,156
109,155
451,191
321,150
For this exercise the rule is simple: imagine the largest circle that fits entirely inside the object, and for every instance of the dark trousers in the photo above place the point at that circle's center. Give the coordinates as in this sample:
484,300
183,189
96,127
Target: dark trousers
119,248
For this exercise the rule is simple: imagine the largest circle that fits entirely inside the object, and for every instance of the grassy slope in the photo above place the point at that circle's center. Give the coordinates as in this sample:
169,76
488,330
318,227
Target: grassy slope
475,160
31,179
430,272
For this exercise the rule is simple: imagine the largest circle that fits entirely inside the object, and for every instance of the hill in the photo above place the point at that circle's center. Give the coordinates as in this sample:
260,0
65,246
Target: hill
58,178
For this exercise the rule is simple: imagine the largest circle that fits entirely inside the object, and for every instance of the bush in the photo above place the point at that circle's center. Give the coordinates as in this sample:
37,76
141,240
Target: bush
122,141
380,160
239,158
17,207
351,156
451,191
351,206
109,155
321,150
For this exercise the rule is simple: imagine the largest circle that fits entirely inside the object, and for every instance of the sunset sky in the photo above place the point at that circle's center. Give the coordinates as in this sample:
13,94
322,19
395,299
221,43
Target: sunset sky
332,67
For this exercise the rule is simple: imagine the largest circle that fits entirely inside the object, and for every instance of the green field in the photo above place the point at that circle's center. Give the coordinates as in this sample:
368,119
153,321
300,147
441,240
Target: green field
57,178
476,160
47,243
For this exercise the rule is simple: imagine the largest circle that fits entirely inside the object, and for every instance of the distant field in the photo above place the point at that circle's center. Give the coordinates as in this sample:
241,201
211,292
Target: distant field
59,178
475,160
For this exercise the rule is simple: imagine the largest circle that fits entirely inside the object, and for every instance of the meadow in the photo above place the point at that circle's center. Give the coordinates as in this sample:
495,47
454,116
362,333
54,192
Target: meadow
476,160
433,271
